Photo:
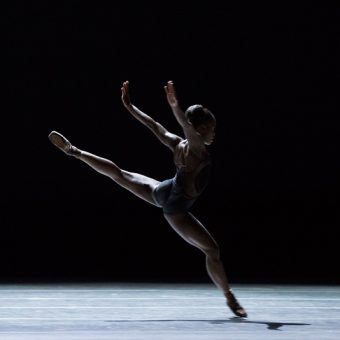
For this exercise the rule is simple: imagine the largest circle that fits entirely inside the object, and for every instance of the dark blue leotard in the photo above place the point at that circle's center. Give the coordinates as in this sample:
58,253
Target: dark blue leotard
178,194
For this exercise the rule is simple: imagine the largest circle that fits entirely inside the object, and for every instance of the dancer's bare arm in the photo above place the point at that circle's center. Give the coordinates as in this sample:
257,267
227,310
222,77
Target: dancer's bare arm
189,131
167,138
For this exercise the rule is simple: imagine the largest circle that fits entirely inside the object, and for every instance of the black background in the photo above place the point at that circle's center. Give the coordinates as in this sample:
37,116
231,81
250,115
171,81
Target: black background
270,76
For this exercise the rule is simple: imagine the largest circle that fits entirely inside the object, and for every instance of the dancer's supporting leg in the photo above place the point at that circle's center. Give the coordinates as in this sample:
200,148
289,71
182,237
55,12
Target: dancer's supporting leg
192,231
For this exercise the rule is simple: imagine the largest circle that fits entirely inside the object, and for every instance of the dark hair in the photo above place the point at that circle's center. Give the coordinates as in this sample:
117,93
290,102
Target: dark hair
198,115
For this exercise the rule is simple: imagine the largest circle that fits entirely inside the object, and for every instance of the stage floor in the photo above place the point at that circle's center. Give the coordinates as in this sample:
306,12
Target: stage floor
167,311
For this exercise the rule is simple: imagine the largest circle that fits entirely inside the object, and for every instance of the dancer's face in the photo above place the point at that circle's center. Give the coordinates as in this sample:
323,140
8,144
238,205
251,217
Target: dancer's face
207,132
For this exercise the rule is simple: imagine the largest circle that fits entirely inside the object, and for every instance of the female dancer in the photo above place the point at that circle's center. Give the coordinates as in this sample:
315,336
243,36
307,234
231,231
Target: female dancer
176,195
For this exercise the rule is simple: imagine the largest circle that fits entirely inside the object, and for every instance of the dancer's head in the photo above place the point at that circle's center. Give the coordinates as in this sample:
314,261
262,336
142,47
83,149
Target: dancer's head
203,121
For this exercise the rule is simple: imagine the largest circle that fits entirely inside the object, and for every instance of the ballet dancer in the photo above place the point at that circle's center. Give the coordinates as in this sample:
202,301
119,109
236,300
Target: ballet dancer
175,195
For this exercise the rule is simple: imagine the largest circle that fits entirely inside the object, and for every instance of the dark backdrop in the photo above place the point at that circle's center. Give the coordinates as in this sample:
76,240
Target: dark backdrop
268,73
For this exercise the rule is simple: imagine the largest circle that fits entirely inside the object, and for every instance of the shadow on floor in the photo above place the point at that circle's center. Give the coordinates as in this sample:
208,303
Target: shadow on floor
270,325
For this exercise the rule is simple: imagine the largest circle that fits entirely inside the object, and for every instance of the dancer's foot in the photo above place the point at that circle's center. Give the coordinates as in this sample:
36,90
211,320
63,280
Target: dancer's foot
234,305
63,144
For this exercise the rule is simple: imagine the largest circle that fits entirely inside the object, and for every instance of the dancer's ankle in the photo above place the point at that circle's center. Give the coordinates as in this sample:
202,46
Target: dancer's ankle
75,152
228,293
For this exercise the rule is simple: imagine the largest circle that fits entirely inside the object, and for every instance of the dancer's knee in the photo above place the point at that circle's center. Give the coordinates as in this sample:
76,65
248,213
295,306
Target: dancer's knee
117,174
212,251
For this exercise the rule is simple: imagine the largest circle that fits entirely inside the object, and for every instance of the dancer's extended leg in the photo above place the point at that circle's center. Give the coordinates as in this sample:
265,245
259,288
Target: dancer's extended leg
140,185
191,230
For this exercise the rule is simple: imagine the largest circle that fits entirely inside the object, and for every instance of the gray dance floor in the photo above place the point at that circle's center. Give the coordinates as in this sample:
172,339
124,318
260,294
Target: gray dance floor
167,311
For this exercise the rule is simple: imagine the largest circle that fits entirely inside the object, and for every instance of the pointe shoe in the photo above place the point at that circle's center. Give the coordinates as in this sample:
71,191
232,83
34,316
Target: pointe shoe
234,305
63,144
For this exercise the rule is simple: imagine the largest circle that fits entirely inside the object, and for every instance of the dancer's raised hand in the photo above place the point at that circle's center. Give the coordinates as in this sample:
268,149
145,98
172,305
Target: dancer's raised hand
171,94
125,94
